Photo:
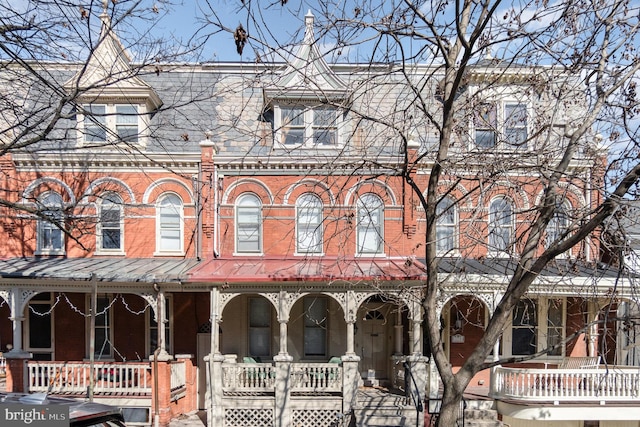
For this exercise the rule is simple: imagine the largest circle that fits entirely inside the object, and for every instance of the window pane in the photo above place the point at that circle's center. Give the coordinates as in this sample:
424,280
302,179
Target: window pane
485,138
40,327
127,123
485,121
515,124
325,117
309,224
315,326
500,225
524,341
293,125
171,223
370,233
248,224
259,327
445,225
325,136
95,123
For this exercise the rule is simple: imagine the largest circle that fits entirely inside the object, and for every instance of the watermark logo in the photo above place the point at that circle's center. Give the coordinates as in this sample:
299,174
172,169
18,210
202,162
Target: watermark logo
34,415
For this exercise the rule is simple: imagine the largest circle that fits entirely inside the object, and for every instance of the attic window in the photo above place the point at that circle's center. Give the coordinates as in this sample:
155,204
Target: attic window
112,123
307,126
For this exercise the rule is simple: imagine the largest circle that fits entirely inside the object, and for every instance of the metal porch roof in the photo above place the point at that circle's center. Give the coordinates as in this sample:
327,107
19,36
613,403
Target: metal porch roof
147,270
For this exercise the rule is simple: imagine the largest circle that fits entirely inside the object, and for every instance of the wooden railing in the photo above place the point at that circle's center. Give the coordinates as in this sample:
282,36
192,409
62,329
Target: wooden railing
261,377
566,385
316,377
130,378
248,377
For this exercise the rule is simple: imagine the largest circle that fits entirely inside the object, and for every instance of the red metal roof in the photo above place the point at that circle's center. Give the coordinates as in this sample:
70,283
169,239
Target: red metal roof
309,269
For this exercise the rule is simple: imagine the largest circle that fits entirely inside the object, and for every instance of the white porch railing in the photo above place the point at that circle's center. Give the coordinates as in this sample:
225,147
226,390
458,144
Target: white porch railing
248,377
130,378
564,385
316,377
3,364
261,377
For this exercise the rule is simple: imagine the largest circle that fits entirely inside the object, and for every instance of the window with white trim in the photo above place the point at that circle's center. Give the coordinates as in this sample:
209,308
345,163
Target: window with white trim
103,331
259,327
558,224
50,235
309,224
315,327
370,226
111,123
110,226
446,224
39,326
502,125
500,226
248,224
307,126
170,224
536,325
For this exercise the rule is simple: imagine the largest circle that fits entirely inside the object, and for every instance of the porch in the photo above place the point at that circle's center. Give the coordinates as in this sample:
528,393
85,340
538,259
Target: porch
567,394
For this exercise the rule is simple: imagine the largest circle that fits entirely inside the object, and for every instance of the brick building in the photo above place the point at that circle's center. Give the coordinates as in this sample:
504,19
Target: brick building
261,259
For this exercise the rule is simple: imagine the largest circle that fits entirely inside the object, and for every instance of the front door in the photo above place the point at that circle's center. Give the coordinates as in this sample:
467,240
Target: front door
372,341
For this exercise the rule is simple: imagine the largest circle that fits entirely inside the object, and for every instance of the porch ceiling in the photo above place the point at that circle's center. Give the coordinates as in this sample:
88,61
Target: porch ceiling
148,270
308,269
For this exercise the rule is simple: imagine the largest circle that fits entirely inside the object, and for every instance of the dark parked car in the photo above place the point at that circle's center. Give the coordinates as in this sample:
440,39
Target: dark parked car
81,413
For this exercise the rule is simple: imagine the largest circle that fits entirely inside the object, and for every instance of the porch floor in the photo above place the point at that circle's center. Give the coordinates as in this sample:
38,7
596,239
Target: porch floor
193,419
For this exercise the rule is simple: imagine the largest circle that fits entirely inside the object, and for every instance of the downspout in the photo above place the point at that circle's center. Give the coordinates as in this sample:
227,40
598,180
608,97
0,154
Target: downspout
216,212
195,182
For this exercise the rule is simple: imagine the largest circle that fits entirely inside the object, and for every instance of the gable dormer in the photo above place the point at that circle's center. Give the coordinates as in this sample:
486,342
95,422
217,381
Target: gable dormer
308,99
114,104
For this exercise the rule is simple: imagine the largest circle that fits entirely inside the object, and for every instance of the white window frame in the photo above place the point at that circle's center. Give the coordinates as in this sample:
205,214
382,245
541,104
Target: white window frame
163,227
40,306
500,127
152,325
55,210
312,326
113,119
501,225
114,202
307,124
109,327
555,227
451,227
309,225
541,329
265,329
369,223
248,202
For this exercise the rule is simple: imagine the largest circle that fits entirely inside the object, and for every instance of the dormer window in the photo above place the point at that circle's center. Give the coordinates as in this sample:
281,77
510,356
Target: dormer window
500,125
111,124
307,126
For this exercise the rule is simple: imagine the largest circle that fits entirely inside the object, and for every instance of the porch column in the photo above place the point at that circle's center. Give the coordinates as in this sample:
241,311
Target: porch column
350,361
283,362
592,331
215,411
397,351
16,377
161,320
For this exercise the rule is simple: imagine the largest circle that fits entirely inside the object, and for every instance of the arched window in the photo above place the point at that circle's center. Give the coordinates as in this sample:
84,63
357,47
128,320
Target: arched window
445,225
500,225
50,235
248,224
558,224
309,224
110,232
169,223
370,229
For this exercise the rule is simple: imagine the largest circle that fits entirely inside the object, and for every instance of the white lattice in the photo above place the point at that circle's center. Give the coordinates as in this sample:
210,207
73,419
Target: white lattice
237,417
318,418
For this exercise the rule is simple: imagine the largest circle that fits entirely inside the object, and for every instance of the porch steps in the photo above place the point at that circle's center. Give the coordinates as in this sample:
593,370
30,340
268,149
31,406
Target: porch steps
481,417
377,407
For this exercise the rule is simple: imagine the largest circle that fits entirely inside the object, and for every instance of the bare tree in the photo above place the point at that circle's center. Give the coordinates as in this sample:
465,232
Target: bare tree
578,64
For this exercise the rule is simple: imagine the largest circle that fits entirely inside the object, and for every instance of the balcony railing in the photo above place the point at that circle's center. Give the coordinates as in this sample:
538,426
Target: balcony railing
130,378
613,383
261,377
